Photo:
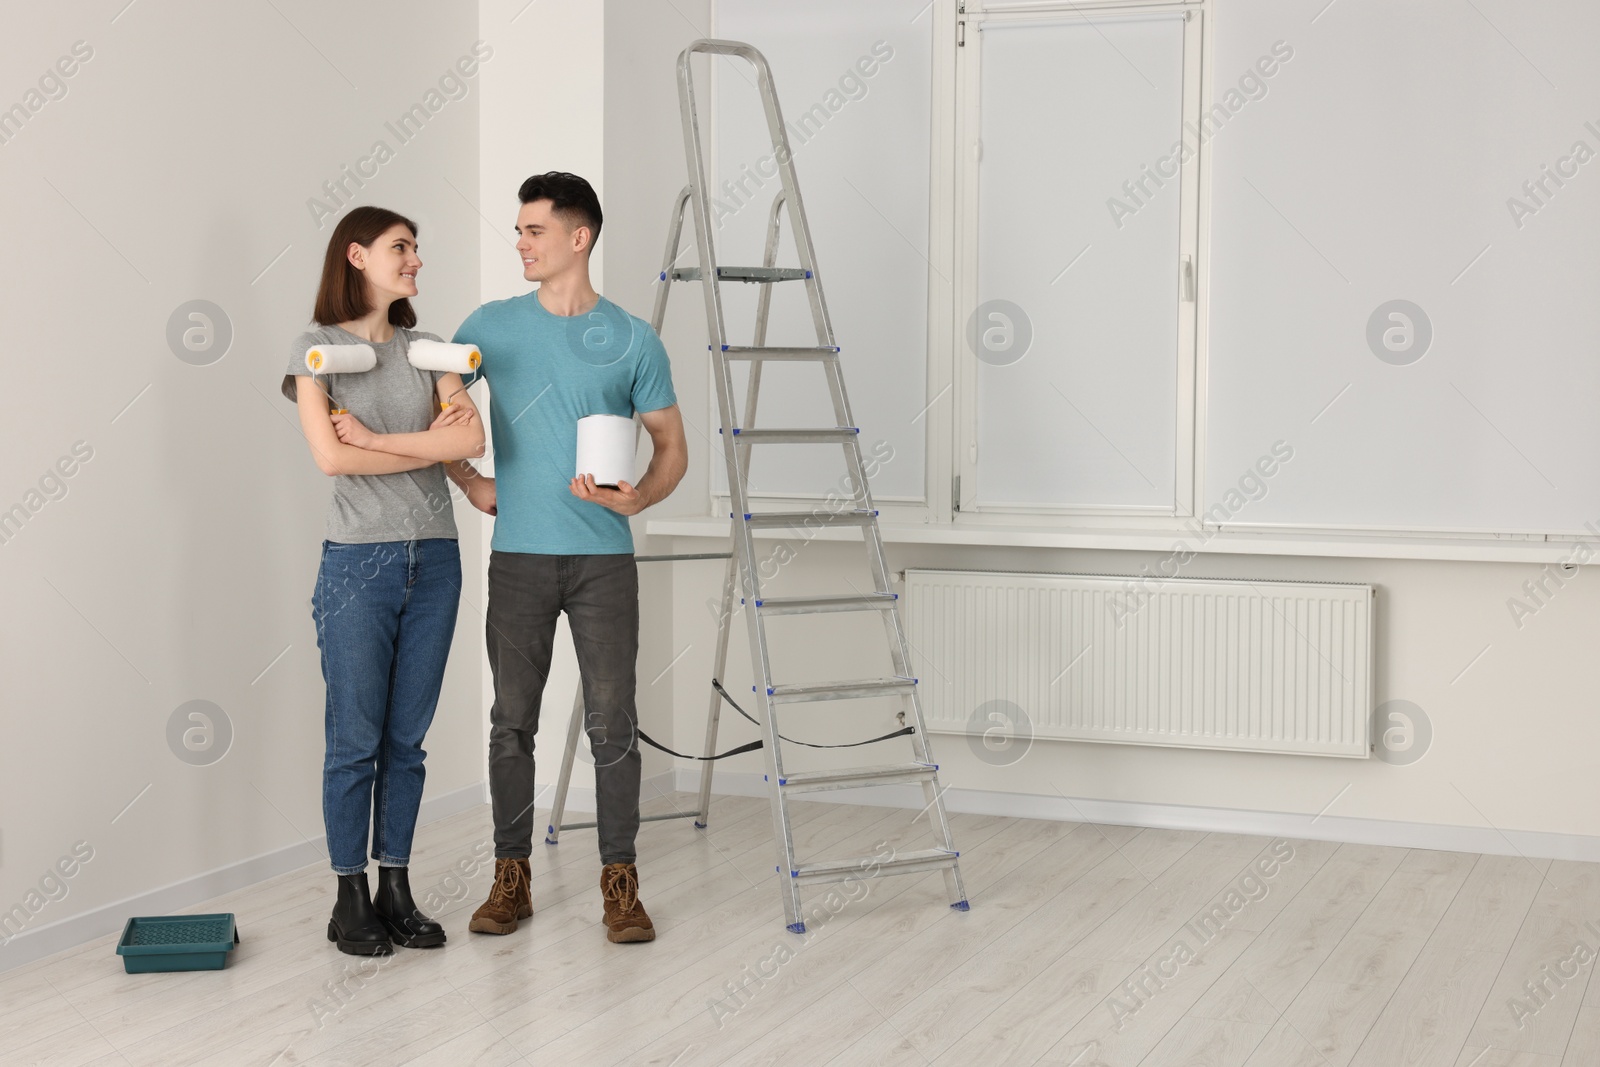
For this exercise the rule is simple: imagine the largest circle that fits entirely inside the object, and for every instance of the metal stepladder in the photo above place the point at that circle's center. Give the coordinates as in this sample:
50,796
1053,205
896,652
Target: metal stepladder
739,438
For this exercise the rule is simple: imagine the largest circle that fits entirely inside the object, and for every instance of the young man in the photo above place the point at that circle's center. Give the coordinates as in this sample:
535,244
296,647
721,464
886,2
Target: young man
562,543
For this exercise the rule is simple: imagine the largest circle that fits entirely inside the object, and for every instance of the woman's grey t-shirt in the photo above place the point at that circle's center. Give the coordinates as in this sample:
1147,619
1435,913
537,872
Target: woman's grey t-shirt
392,397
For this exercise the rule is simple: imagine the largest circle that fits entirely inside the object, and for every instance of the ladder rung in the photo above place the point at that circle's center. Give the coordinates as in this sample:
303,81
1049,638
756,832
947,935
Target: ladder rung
549,829
928,859
813,781
765,353
812,605
848,690
743,274
838,435
800,520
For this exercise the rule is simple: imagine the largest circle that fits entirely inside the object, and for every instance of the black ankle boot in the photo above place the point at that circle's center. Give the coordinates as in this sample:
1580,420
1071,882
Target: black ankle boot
399,913
355,926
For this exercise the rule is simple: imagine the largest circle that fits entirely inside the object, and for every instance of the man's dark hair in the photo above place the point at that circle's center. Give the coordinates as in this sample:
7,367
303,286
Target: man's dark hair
570,197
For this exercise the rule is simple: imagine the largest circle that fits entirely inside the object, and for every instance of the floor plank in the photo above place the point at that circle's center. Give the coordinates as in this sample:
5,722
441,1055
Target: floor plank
1432,1012
1535,1001
1085,945
1337,1008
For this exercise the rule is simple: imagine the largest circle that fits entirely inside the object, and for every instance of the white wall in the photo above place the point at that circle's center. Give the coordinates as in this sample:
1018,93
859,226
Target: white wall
644,140
180,561
1512,711
1511,708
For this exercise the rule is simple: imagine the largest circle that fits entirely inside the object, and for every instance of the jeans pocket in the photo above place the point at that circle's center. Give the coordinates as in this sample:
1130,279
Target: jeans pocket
333,574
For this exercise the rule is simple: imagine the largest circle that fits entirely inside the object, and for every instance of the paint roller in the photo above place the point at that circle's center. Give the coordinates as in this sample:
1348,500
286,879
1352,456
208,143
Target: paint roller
422,353
443,356
339,359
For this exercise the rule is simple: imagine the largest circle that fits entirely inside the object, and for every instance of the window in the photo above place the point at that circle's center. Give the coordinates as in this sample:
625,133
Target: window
1077,232
1008,230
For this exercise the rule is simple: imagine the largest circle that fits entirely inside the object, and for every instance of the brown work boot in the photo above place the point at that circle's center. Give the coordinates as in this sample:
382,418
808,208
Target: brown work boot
625,918
510,899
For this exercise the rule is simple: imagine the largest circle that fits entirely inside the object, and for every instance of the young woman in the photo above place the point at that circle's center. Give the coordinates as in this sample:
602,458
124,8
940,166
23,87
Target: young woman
389,584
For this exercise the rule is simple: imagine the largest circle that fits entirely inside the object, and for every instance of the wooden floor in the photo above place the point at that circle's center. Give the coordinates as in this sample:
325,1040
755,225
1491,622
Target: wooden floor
1085,945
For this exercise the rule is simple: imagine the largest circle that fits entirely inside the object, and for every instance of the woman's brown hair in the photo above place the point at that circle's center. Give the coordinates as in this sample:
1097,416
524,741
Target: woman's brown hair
342,296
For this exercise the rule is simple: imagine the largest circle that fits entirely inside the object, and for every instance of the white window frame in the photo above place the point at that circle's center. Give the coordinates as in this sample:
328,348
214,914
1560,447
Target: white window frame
961,206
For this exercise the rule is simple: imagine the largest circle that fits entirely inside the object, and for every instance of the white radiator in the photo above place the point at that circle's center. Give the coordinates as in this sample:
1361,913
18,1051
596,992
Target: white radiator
1192,662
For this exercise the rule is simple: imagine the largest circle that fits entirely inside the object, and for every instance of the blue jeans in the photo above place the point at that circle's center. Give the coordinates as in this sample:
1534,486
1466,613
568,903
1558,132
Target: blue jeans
385,615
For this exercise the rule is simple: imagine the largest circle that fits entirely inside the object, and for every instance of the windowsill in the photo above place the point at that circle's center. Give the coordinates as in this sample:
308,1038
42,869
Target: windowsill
1275,543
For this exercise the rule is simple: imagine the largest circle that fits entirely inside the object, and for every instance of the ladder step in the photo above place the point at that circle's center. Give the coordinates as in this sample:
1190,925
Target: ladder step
814,781
838,435
813,605
927,859
846,690
801,520
743,274
777,352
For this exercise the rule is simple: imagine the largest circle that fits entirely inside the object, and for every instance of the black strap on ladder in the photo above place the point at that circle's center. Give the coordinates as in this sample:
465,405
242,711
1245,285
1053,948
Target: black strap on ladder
754,745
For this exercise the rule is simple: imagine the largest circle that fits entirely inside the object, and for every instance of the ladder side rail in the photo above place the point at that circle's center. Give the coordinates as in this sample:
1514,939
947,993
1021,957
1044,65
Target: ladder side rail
769,259
658,316
698,185
725,617
743,541
798,223
558,806
763,308
719,669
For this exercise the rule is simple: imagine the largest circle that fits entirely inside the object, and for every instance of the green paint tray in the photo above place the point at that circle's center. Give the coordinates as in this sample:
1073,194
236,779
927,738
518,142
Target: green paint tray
177,943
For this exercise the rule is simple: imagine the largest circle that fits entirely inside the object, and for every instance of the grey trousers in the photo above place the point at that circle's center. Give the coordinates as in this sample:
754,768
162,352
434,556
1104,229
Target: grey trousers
600,595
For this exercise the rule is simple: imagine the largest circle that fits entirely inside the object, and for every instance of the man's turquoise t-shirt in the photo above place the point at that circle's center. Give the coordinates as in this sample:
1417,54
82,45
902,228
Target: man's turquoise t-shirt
545,372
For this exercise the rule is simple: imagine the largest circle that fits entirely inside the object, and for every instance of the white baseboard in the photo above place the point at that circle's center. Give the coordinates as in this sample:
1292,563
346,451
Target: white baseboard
1535,844
46,940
